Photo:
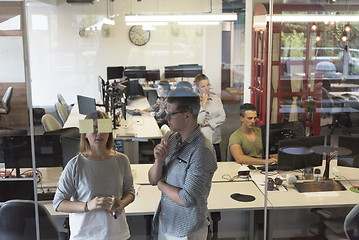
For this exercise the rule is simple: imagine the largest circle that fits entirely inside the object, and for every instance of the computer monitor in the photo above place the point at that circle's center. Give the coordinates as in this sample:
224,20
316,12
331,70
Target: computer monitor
297,153
86,104
281,131
135,72
134,89
350,143
153,75
16,189
115,72
17,151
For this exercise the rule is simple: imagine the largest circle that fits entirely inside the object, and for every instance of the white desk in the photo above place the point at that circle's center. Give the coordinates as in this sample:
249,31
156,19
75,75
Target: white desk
134,129
140,172
148,197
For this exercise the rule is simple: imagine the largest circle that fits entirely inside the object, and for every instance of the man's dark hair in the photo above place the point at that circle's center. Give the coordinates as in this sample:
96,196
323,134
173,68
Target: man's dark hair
186,100
246,107
166,85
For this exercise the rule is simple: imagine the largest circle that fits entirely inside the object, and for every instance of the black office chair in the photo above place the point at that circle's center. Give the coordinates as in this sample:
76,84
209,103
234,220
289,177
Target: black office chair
332,226
6,106
70,148
17,221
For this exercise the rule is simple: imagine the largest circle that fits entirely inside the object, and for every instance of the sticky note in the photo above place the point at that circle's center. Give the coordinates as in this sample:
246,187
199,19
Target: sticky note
86,126
104,125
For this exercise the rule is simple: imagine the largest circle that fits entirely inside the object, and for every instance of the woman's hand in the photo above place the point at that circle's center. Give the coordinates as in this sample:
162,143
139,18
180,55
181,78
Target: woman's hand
204,98
99,203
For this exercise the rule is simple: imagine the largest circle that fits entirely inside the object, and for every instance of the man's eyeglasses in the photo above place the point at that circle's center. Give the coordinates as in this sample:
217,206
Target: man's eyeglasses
170,114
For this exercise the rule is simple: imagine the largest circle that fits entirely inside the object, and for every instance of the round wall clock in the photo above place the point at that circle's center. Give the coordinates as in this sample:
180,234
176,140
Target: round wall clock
138,36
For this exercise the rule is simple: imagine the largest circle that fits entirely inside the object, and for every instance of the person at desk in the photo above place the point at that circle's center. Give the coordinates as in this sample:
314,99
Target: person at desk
211,115
245,144
96,186
183,169
163,88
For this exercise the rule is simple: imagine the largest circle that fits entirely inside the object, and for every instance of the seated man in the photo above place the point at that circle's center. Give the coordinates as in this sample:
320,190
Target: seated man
245,144
163,89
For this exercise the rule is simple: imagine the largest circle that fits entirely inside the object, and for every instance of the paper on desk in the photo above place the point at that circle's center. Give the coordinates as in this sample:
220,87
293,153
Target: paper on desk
322,194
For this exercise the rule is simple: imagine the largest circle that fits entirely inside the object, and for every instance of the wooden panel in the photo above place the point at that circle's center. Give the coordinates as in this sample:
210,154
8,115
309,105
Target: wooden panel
19,115
9,10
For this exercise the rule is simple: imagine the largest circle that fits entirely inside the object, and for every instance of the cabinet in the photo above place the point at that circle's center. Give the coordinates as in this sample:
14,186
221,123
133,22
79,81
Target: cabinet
295,89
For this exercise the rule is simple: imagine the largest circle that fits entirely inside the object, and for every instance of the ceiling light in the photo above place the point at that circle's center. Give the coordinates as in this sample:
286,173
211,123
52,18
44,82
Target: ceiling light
181,17
198,23
147,23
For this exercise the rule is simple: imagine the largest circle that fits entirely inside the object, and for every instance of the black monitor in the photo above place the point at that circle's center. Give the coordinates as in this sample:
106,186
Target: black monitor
350,143
153,75
86,104
16,189
115,72
135,72
190,70
281,131
297,153
134,89
17,151
172,72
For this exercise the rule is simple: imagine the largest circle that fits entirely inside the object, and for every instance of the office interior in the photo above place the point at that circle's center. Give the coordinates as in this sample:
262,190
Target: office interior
295,61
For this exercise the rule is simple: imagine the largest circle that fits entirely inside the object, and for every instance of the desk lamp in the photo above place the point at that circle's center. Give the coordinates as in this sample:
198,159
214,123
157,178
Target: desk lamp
327,150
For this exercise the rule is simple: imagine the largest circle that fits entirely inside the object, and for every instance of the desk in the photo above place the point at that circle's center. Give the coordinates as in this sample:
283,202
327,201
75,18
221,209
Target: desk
140,172
136,128
291,202
219,199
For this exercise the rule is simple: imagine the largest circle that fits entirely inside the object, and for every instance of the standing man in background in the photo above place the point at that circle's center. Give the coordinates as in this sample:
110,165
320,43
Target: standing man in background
183,170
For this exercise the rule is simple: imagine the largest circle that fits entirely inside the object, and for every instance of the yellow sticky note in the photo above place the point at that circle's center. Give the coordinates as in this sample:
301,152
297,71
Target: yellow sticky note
86,126
104,125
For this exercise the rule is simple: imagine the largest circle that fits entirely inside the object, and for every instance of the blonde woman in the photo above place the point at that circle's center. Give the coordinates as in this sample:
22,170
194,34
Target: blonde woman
95,187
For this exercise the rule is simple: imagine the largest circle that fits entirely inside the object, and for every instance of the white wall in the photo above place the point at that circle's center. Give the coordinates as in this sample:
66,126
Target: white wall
63,62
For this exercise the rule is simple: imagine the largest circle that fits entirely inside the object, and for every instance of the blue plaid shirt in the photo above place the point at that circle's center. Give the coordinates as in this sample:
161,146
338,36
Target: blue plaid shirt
189,166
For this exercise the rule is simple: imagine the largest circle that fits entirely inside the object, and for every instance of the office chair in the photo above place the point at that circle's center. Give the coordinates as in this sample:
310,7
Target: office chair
6,106
61,100
61,111
17,221
70,148
351,223
50,123
335,227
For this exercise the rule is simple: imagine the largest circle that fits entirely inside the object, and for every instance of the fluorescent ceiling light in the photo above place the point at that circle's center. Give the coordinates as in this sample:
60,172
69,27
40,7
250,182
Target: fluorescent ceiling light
181,17
313,18
108,21
147,23
198,23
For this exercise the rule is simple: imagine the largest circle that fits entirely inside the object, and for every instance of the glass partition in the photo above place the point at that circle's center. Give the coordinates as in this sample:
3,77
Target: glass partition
300,64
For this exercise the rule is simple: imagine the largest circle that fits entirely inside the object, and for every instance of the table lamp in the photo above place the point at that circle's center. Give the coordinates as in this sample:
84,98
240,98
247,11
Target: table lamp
328,150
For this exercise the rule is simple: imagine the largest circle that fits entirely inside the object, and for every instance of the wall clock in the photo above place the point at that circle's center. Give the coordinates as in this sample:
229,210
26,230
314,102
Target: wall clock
138,36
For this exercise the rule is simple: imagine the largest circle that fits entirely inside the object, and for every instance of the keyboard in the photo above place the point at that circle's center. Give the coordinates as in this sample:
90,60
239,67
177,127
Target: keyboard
133,113
271,168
